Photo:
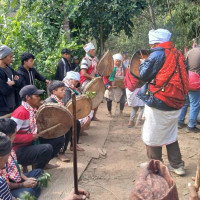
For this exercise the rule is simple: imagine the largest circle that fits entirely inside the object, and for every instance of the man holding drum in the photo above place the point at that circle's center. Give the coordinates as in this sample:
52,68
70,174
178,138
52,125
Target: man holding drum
115,93
164,95
89,68
29,148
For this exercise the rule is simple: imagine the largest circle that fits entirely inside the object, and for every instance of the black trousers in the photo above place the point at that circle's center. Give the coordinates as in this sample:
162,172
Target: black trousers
37,155
68,136
173,153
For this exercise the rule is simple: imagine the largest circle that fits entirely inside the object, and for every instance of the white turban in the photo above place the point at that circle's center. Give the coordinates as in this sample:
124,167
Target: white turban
72,75
159,36
88,47
118,56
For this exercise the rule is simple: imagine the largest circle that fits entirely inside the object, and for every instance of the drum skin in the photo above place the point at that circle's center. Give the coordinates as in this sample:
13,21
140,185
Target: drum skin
95,85
106,64
135,62
51,114
83,106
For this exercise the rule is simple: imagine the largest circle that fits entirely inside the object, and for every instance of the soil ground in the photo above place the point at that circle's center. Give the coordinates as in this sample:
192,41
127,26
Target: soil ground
113,177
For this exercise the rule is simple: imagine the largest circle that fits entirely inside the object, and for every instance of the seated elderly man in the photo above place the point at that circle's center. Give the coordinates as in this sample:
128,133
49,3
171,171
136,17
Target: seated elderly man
71,80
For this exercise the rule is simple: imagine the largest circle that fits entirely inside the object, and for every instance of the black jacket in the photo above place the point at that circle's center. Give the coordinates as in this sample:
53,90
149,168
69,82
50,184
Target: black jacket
60,69
6,90
27,77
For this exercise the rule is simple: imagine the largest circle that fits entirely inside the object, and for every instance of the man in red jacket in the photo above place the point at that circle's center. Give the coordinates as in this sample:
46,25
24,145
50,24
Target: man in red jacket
26,143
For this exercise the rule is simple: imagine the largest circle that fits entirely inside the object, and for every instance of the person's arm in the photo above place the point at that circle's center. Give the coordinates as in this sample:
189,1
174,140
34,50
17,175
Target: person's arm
59,71
150,67
39,76
86,75
5,89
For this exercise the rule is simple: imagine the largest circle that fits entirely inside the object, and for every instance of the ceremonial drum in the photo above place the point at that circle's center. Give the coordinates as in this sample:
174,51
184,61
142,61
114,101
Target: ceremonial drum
95,85
119,82
53,120
106,64
83,106
135,62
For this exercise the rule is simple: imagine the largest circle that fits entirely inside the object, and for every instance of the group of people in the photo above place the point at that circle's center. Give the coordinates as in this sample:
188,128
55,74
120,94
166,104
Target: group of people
159,100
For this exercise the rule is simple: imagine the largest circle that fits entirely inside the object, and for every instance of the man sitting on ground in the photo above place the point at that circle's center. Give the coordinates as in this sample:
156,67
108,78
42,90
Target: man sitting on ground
57,91
27,72
17,181
28,151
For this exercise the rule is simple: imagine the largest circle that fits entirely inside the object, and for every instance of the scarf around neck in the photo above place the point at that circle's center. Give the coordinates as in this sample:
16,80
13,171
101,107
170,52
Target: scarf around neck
57,99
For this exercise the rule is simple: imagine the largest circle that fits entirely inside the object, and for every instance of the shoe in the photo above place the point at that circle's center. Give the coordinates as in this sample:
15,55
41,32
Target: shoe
130,124
181,125
179,171
193,130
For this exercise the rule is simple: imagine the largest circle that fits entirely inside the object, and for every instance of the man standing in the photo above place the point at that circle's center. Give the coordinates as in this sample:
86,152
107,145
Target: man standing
193,99
27,73
89,68
164,96
64,65
9,84
75,65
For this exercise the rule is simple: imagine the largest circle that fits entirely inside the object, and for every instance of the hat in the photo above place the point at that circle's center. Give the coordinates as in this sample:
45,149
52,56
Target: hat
75,57
29,90
63,51
72,75
88,47
54,85
5,51
159,36
118,56
5,144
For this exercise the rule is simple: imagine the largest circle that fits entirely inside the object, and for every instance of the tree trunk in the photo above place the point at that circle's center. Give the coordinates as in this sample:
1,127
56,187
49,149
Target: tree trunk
152,14
168,4
101,40
66,28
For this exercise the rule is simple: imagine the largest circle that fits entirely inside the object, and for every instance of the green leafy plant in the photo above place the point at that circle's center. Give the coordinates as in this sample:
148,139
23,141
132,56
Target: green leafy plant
43,180
91,95
26,196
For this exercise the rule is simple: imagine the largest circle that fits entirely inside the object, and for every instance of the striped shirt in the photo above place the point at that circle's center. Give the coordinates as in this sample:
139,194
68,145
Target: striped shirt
24,135
4,190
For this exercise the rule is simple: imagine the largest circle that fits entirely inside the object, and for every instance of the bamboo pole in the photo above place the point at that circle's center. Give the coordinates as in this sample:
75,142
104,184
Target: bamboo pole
48,129
74,144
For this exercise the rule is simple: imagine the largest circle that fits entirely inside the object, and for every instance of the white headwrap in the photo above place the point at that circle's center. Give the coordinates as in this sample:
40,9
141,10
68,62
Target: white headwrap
88,47
72,75
159,36
118,56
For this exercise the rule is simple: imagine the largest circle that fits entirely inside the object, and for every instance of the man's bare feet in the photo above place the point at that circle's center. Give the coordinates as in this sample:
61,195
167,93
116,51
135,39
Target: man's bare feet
77,148
109,113
51,166
63,158
95,119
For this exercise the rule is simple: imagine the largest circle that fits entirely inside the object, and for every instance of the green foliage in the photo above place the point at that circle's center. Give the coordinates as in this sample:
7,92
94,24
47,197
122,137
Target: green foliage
43,180
91,95
26,196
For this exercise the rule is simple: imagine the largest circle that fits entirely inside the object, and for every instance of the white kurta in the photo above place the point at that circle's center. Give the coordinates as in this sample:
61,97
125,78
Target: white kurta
132,99
160,127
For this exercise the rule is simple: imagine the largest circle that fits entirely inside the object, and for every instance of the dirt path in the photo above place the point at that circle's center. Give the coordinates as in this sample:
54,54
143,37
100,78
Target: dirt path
113,178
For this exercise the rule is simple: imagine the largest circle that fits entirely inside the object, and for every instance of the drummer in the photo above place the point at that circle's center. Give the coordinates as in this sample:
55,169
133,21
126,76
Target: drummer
114,93
57,91
89,68
30,149
71,80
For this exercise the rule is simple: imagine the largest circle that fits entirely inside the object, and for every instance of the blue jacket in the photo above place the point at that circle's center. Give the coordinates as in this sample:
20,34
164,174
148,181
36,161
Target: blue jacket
148,70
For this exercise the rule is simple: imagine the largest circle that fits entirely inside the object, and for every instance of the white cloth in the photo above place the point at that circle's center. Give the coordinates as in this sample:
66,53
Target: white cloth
114,94
160,127
126,63
88,47
118,56
132,99
72,75
159,36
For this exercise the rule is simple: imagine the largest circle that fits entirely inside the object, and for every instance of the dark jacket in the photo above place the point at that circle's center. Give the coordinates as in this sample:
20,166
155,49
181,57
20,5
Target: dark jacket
148,71
6,90
68,95
50,100
27,77
60,72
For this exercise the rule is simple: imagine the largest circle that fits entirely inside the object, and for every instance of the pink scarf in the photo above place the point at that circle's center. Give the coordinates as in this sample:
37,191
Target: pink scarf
32,111
57,99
